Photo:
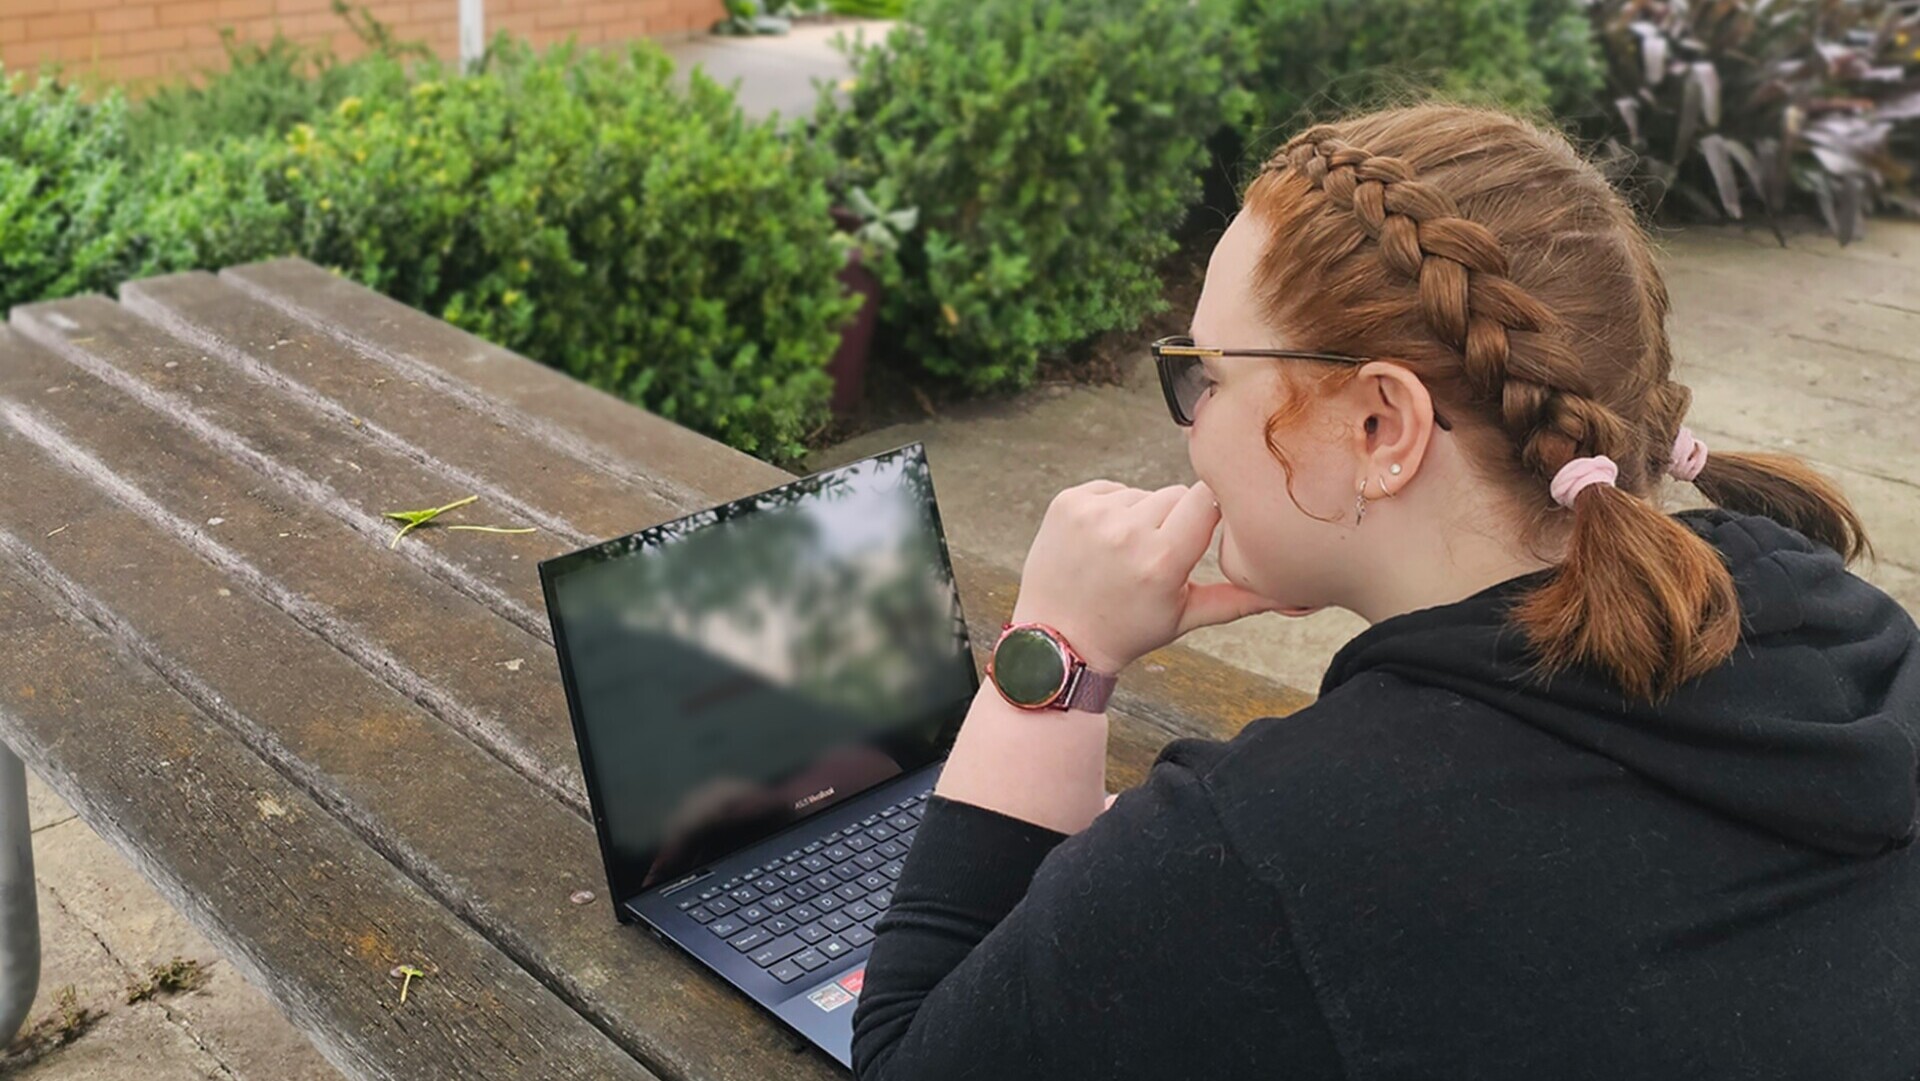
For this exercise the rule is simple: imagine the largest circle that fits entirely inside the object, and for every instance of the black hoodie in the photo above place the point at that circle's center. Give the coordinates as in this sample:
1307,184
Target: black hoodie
1442,870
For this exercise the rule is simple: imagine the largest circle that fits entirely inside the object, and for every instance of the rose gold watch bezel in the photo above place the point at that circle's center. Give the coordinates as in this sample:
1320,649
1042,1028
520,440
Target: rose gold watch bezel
1069,679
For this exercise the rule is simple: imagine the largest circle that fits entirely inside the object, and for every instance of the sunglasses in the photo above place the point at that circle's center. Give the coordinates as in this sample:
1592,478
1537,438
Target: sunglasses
1183,379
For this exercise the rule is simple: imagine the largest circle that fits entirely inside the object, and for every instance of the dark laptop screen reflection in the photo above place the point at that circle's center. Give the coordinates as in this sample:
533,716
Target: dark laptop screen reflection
806,645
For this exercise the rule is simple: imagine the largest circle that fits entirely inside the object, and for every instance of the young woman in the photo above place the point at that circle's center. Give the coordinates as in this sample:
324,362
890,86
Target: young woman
1602,792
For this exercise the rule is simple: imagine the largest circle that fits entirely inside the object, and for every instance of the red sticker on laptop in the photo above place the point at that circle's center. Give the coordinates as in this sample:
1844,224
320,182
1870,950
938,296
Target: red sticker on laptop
854,981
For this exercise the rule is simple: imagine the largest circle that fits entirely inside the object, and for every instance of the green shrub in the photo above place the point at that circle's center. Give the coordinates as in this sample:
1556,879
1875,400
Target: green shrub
66,194
868,9
1317,58
1051,149
571,206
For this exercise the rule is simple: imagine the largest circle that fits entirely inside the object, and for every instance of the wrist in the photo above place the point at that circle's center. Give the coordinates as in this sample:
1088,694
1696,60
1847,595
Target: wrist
1097,660
1034,666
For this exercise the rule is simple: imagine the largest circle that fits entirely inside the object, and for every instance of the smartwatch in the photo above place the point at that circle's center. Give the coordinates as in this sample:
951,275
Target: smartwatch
1034,668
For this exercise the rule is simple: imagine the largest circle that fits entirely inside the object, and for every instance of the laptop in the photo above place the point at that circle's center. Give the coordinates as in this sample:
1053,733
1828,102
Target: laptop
763,694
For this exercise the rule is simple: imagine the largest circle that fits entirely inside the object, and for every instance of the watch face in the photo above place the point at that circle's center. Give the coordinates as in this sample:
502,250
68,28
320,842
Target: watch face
1029,667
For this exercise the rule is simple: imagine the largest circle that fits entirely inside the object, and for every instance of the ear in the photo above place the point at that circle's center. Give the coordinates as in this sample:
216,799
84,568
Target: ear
1396,425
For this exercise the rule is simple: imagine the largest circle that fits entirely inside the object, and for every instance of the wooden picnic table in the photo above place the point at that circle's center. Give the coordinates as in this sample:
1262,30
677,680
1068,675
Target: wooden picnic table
338,756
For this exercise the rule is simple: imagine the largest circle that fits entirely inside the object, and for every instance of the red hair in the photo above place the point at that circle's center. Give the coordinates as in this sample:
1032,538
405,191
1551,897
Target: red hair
1486,255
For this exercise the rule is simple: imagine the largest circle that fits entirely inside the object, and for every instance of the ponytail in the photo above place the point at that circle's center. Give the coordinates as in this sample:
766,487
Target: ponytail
1639,596
1783,488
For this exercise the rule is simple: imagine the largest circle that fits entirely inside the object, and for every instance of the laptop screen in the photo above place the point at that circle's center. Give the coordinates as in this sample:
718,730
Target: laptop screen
743,668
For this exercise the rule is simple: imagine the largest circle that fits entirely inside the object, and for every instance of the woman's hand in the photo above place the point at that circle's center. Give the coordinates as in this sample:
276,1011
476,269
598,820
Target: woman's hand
1111,569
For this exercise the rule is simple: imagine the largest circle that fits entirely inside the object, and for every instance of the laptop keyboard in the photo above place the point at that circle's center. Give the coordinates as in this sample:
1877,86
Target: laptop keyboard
817,903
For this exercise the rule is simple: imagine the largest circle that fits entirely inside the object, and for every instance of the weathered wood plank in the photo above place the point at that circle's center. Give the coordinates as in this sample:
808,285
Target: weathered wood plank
229,423
1196,694
489,845
382,607
303,907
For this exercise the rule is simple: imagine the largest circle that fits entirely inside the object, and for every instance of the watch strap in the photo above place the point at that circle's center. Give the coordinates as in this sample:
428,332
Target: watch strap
1090,690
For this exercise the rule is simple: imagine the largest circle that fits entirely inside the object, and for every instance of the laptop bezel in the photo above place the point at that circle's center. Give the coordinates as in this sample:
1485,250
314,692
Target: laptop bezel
551,570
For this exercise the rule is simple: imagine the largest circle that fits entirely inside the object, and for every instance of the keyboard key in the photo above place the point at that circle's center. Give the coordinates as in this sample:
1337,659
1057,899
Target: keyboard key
848,871
879,900
812,932
882,832
794,872
809,959
726,928
852,891
869,820
730,883
800,892
834,947
754,913
786,972
777,950
771,866
826,902
919,810
768,885
700,913
720,906
780,925
746,895
873,881
814,847
837,853
870,861
803,914
857,936
852,830
710,893
891,808
836,921
791,856
892,870
859,910
903,822
860,843
892,850
780,902
816,864
823,881
751,938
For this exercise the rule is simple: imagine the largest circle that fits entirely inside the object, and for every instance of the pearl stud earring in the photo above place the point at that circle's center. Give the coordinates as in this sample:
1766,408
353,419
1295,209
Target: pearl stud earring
1395,469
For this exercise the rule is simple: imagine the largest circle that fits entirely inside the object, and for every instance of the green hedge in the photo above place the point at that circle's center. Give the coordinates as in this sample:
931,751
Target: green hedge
1051,150
1321,57
572,206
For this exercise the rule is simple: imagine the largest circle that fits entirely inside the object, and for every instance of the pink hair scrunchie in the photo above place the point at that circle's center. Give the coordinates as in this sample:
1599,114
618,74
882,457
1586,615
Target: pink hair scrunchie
1579,473
1689,456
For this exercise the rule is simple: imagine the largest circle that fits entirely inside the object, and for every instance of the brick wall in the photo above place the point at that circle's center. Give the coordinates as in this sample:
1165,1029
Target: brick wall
139,41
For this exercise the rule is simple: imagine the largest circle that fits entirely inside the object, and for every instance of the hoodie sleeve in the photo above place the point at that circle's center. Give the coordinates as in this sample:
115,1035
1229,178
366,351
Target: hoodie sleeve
1137,948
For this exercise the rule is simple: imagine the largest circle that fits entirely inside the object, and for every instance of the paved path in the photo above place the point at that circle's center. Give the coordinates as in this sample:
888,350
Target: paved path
1814,350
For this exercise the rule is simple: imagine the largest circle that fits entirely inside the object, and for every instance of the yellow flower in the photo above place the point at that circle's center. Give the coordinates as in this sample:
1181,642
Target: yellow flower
349,108
510,296
292,173
360,154
525,266
953,317
326,204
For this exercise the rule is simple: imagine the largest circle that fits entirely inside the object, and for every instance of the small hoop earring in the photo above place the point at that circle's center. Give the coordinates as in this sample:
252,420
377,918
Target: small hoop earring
1386,491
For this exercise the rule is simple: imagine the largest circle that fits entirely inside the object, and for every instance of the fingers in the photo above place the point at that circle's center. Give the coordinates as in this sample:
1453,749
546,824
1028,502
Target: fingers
1194,516
1220,602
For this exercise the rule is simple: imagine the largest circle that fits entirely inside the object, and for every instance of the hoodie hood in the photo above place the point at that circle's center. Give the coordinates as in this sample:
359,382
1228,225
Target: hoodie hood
1808,731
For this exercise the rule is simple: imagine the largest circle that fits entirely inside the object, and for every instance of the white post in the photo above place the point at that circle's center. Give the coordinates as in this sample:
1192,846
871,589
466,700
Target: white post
473,32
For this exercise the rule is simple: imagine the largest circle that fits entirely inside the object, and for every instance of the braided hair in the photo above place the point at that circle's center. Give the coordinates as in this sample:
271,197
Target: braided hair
1483,253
